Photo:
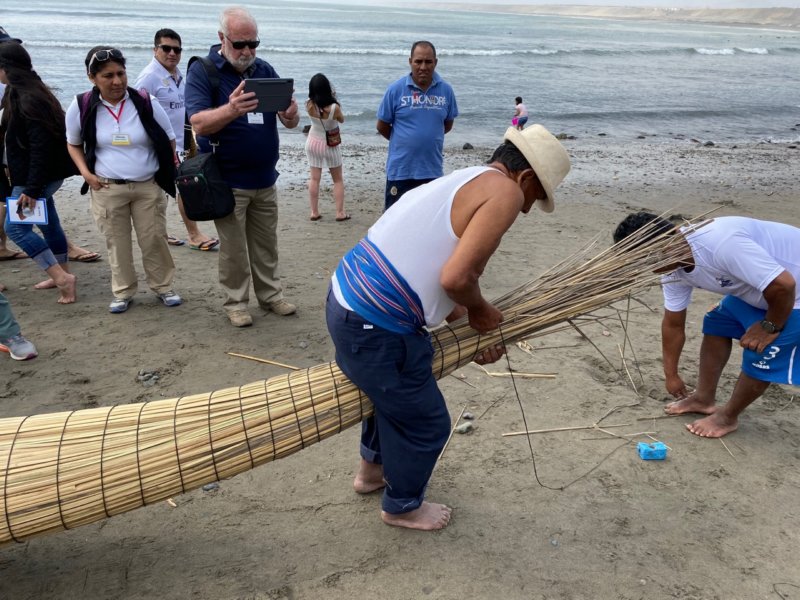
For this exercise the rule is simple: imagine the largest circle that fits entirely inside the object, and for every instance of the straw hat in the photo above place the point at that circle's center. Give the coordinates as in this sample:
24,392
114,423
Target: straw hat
4,37
545,154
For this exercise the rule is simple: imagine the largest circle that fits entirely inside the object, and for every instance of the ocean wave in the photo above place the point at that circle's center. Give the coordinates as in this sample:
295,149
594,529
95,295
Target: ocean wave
753,50
716,51
457,52
623,116
122,45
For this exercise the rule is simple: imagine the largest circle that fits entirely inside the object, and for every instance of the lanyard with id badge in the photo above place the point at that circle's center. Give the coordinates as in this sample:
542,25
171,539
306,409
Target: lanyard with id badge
118,138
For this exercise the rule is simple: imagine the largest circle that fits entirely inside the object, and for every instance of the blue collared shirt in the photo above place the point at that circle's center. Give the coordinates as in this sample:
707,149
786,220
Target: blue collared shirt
417,119
248,152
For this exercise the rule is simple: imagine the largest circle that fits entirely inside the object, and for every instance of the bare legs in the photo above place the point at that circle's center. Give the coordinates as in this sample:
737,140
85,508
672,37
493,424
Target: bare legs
196,237
338,191
428,517
60,278
313,191
369,478
5,253
714,354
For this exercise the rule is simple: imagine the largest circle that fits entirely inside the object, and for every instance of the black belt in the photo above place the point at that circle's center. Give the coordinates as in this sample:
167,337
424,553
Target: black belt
117,181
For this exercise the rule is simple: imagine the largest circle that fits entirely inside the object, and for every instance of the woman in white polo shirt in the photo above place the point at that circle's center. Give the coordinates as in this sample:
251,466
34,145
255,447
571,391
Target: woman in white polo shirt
124,146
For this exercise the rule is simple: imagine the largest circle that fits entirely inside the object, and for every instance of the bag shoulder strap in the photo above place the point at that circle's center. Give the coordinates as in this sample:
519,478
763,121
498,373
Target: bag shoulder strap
211,73
213,81
84,100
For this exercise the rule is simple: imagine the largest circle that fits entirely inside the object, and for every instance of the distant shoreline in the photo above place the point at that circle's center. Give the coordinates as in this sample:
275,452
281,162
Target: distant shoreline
772,18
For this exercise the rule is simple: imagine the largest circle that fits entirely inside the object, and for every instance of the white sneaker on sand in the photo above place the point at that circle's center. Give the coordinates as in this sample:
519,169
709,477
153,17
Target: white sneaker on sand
18,347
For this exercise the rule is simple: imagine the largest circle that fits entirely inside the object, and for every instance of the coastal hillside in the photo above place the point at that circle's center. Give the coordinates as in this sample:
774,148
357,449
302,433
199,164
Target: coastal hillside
785,18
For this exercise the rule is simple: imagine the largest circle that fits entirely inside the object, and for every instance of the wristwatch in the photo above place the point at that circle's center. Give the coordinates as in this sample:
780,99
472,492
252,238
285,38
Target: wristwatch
770,327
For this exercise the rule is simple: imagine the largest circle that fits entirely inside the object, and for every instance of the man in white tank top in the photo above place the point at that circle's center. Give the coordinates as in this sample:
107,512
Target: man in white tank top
385,296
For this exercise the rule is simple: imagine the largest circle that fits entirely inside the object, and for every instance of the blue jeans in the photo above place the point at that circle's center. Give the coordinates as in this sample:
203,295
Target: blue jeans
47,252
411,423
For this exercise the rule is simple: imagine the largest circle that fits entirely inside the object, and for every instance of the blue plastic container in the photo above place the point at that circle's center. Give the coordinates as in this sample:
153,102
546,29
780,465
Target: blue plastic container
654,451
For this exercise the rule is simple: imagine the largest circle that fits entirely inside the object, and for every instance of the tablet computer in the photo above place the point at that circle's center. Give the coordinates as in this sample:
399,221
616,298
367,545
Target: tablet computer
273,94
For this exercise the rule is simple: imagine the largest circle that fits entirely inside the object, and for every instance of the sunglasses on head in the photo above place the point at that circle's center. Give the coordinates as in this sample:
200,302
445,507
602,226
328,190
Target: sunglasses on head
104,55
240,45
167,48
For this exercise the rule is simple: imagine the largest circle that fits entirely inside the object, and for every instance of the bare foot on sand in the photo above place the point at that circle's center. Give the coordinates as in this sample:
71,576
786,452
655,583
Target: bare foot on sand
67,289
713,426
369,478
47,284
690,404
427,517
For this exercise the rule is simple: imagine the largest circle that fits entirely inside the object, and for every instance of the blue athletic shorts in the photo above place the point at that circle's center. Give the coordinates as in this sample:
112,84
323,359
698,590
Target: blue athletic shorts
779,362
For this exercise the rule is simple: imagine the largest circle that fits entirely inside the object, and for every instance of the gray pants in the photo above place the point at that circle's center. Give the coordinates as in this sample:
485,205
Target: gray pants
8,324
248,248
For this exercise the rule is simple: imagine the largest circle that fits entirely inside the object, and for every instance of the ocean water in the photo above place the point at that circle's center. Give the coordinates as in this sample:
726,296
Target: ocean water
579,76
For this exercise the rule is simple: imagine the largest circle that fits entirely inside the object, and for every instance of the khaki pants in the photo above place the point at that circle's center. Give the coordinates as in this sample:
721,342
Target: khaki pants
144,204
249,246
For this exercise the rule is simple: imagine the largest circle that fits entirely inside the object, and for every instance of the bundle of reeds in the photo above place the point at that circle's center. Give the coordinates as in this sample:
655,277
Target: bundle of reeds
59,471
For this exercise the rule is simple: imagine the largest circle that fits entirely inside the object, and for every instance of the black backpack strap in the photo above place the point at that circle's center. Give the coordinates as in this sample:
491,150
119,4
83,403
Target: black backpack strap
213,81
211,73
84,100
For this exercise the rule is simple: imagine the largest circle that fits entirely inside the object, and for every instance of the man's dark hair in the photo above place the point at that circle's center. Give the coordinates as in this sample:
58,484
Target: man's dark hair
425,44
165,33
635,221
508,155
518,99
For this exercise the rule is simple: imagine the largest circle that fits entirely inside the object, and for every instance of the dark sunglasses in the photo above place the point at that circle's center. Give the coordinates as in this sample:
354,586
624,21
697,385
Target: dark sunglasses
240,45
104,55
167,48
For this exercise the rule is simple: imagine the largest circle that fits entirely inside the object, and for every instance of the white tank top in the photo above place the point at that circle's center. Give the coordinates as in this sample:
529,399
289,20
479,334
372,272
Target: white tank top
318,126
416,235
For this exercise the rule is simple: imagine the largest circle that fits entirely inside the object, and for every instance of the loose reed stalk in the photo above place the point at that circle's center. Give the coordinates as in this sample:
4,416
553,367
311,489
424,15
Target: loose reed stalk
62,470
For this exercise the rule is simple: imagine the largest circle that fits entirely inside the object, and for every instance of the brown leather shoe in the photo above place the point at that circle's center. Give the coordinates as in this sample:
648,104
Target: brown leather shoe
282,308
240,318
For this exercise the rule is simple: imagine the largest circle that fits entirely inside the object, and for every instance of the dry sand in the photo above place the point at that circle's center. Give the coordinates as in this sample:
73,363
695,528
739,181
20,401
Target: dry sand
708,523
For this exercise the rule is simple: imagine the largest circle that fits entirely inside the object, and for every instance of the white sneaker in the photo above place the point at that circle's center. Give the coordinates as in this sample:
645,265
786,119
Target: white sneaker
119,305
170,298
18,347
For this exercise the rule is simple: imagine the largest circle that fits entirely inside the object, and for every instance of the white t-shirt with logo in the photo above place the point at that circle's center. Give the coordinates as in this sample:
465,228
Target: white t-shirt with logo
169,91
735,256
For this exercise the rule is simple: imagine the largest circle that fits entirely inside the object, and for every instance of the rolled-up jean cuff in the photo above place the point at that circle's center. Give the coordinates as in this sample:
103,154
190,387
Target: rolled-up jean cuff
370,455
398,506
46,259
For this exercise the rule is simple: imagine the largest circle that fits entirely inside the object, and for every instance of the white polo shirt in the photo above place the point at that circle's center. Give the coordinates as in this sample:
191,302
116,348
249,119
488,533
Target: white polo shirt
134,161
170,93
735,256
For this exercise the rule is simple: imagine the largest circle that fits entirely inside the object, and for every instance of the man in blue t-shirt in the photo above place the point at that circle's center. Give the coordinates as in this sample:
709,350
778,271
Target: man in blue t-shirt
246,149
415,113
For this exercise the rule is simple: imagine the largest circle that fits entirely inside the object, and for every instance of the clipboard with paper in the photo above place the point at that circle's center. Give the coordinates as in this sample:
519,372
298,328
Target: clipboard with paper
29,216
